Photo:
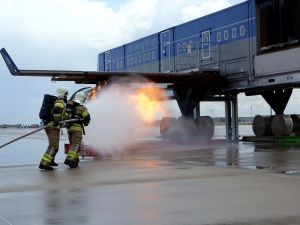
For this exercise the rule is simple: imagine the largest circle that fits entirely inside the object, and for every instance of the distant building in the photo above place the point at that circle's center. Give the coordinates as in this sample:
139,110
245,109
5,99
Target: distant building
19,126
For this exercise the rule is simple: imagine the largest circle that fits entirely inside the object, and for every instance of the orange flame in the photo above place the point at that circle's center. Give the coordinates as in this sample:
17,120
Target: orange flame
92,95
149,102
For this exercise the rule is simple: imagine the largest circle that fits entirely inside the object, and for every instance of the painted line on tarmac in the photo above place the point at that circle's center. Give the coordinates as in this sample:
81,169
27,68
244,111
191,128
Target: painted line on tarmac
5,220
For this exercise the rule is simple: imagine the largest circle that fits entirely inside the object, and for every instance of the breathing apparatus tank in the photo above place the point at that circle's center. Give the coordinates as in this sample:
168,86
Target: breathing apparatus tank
47,105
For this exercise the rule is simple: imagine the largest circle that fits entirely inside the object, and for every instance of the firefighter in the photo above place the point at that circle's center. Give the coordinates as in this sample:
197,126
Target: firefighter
58,113
76,110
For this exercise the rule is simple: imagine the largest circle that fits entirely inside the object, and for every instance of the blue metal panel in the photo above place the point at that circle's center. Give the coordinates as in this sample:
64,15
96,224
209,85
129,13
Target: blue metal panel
231,15
223,27
117,58
252,14
205,44
186,35
221,19
100,66
238,13
107,61
142,51
193,28
232,24
185,30
167,50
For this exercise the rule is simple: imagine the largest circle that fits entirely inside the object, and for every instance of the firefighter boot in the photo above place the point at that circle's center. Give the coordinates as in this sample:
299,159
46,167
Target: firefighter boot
43,167
71,163
53,163
76,160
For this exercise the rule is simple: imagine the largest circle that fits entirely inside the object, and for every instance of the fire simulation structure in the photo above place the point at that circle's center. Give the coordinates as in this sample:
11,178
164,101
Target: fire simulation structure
252,48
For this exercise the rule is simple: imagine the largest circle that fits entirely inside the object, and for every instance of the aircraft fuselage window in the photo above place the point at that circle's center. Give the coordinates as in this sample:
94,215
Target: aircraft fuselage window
226,36
233,33
242,30
219,36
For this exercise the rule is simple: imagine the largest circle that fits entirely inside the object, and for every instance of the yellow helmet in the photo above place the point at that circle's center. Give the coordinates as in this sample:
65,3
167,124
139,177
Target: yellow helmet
80,97
61,92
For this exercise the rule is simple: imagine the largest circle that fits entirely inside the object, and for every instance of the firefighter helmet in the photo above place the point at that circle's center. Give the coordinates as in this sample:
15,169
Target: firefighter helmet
80,97
61,92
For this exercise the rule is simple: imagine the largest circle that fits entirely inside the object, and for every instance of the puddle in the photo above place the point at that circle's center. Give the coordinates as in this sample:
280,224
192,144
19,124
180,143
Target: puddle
291,172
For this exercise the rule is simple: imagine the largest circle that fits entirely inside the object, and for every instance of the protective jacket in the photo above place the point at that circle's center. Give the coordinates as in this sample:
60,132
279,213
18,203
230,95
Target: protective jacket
58,112
80,112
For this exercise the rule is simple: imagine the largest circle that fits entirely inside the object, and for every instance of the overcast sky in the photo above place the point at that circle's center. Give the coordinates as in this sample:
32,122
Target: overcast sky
68,34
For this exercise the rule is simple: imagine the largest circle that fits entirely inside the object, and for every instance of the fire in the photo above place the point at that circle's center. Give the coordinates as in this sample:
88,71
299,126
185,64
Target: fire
92,94
148,100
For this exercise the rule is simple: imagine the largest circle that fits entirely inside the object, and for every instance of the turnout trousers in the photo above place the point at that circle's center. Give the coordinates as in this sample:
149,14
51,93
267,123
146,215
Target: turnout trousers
75,139
53,135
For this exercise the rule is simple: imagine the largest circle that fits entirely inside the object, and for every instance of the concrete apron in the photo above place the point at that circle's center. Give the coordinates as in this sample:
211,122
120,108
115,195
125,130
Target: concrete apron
147,191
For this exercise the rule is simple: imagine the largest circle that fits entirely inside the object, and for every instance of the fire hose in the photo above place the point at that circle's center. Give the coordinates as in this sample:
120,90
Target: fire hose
40,128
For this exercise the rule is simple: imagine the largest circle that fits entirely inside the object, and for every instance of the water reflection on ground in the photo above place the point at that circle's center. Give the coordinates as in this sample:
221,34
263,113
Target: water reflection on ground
268,156
282,158
26,151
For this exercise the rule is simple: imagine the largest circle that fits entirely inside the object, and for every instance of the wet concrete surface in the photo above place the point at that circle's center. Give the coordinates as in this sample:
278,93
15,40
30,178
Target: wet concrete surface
274,157
160,183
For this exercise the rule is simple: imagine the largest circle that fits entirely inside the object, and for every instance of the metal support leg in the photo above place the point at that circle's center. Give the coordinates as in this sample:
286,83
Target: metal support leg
235,122
228,120
188,99
197,116
277,99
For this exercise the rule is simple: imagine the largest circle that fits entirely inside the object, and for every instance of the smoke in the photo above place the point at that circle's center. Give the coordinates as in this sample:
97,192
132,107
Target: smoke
116,120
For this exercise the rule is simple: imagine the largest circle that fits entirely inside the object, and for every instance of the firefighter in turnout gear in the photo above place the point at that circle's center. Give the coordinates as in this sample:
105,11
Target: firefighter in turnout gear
58,114
76,110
